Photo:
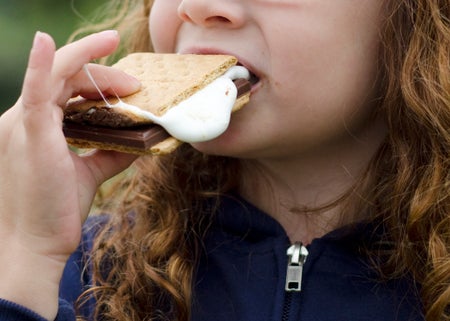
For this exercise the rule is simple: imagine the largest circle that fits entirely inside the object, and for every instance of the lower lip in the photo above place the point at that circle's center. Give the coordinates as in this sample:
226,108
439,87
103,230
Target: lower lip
255,87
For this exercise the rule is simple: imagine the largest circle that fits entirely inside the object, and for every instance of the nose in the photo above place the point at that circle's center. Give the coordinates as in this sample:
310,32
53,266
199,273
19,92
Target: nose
212,13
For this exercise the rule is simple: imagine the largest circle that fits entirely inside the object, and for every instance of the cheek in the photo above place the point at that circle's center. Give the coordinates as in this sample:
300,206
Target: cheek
325,95
163,24
332,74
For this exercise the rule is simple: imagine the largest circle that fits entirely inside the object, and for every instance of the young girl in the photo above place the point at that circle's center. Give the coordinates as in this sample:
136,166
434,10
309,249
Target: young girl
327,198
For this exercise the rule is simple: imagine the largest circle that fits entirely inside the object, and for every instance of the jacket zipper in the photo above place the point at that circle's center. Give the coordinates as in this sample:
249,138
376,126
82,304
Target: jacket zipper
297,254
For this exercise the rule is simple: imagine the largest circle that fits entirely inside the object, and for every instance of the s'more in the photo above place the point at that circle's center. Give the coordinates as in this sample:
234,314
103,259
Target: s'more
173,86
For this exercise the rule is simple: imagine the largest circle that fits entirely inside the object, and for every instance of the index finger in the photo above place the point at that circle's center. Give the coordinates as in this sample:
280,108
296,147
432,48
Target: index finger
37,84
70,59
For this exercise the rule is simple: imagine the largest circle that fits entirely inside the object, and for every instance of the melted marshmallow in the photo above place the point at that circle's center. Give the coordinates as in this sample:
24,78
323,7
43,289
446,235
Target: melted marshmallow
203,116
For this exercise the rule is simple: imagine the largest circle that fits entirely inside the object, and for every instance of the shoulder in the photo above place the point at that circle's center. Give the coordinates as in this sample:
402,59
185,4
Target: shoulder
347,275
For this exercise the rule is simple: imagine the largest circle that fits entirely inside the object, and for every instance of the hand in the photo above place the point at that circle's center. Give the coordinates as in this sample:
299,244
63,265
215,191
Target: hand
45,189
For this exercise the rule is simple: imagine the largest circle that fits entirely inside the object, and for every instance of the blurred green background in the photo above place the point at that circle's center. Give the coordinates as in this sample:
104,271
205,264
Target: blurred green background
19,20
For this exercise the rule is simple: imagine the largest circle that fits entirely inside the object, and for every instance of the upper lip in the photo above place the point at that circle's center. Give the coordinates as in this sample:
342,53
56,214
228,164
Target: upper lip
214,51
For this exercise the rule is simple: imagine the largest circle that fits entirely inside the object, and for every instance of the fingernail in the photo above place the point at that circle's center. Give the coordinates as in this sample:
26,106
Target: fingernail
37,41
113,33
134,81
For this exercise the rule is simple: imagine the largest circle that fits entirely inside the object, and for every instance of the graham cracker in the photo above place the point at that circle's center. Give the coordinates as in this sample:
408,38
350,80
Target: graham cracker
167,79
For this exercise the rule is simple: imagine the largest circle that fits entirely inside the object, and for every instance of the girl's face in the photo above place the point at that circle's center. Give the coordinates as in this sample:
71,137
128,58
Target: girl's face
316,61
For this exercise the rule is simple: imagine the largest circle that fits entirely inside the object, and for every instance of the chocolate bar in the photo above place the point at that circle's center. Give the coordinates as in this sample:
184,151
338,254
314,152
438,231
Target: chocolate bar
142,137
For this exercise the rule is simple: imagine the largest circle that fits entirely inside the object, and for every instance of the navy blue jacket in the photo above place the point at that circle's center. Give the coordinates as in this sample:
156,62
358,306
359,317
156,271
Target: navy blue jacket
242,276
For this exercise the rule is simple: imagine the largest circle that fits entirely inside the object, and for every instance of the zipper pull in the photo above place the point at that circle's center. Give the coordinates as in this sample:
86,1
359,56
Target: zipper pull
297,254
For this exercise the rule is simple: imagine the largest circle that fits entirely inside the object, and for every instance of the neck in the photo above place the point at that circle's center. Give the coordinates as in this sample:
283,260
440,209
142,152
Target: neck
305,193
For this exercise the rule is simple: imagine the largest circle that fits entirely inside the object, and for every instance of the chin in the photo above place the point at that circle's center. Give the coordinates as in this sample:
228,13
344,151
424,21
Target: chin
218,146
237,141
232,146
